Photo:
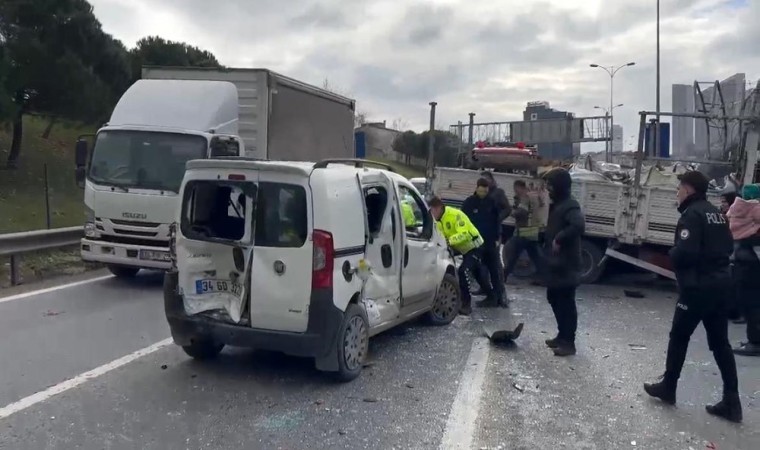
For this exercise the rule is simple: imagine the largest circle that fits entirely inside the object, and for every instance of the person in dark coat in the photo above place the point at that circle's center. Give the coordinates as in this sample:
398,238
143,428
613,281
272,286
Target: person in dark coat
483,211
505,209
562,241
744,222
735,313
701,259
498,195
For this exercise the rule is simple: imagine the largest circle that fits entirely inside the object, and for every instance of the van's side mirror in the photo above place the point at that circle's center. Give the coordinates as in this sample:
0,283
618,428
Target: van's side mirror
80,153
222,146
81,174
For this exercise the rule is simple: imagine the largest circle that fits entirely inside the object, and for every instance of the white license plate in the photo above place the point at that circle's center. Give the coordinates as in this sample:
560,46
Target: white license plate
213,286
153,255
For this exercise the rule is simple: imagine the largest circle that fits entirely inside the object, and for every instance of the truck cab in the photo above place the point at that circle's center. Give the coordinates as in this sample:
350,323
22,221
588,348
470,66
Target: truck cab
132,174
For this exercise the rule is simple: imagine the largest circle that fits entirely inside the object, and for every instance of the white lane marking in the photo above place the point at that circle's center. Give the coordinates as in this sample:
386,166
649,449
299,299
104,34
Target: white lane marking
71,383
10,298
460,427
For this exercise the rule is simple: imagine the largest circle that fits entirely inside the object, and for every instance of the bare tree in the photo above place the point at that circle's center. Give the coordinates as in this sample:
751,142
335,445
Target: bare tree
399,124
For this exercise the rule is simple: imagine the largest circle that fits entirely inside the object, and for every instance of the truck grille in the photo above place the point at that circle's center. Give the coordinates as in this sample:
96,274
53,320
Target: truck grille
133,241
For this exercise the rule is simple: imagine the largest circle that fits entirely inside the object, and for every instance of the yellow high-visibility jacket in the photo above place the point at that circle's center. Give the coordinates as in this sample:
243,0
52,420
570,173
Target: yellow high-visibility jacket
459,232
408,213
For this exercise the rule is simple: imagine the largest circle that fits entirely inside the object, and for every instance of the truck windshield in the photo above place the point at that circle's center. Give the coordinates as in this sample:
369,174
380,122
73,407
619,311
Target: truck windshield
144,159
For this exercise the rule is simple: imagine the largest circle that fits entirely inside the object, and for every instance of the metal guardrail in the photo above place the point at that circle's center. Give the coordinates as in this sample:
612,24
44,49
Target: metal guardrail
15,244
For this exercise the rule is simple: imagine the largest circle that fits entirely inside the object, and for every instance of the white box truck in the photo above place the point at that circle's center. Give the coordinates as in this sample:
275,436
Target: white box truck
132,174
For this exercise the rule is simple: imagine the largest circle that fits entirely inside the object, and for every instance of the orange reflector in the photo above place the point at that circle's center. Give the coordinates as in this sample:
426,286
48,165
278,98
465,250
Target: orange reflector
236,177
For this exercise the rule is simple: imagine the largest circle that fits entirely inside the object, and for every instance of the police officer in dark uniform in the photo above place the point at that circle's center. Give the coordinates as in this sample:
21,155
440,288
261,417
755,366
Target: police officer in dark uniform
700,258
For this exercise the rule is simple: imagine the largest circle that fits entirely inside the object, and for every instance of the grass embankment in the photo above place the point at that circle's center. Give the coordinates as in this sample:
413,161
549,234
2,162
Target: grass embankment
22,195
22,190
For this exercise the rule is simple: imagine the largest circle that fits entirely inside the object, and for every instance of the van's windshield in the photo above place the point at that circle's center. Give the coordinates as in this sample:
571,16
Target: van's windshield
144,159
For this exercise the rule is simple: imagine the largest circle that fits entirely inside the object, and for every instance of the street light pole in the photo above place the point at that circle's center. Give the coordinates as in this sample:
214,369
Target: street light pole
611,71
657,106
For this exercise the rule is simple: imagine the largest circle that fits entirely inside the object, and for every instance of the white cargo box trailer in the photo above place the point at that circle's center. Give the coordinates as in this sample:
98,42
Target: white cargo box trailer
280,118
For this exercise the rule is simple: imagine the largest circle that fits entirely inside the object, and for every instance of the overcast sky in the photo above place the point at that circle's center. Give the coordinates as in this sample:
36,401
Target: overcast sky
484,56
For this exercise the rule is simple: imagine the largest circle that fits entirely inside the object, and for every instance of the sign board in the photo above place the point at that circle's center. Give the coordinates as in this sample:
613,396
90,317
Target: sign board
649,147
547,131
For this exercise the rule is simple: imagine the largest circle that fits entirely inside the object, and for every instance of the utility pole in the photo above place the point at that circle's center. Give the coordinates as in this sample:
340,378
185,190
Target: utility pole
657,106
472,130
431,143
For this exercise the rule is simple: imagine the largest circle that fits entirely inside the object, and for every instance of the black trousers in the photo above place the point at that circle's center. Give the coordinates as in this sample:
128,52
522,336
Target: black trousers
490,276
747,281
470,263
751,299
517,246
707,306
562,301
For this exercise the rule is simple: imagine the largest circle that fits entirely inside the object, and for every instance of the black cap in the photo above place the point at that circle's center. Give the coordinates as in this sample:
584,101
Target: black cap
696,179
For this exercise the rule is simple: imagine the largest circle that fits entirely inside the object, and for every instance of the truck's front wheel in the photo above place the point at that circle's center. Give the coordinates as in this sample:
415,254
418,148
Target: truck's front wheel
592,267
123,271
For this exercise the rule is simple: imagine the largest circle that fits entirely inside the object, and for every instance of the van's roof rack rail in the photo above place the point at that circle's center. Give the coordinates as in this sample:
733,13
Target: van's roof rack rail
358,163
238,158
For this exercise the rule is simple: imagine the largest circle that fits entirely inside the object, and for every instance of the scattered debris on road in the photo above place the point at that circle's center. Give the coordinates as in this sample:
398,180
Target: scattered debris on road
633,294
637,346
50,312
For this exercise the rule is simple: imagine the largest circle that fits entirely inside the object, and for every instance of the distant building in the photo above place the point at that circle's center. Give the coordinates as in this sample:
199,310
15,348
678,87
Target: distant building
541,110
682,128
617,139
374,140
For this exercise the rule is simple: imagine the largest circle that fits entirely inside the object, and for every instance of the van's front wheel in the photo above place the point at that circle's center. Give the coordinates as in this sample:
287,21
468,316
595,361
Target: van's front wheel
353,343
447,302
203,349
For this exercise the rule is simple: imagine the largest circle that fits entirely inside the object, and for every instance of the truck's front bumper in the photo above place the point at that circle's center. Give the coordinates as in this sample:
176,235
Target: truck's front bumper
125,254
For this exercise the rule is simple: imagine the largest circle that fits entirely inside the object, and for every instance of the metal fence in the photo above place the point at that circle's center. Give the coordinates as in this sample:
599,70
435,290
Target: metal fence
15,244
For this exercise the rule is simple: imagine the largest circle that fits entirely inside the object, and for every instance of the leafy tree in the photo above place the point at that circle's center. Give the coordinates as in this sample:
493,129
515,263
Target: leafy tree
58,62
445,146
156,51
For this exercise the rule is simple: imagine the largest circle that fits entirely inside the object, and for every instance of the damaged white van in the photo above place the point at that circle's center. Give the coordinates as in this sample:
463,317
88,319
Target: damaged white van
308,259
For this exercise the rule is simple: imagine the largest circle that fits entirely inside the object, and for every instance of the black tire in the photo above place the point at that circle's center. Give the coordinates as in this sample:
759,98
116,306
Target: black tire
447,302
123,271
203,350
353,343
591,257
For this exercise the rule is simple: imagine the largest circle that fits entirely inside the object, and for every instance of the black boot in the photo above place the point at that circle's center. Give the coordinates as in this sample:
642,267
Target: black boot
730,408
488,302
564,348
466,308
552,343
748,349
664,389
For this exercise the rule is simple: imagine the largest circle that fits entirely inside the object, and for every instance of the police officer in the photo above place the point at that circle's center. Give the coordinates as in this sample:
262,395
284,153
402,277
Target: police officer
463,237
700,258
483,212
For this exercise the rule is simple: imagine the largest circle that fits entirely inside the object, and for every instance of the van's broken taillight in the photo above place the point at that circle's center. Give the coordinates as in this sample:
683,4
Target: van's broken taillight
323,261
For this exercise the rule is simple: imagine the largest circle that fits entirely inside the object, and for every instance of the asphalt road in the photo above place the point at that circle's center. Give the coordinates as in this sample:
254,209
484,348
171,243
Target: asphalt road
424,387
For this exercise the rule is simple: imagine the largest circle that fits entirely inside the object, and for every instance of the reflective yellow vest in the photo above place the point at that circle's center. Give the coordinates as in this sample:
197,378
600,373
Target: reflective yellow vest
459,232
408,213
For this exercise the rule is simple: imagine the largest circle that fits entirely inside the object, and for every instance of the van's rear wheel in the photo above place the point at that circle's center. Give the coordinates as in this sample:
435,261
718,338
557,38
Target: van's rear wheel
123,271
353,343
203,349
447,302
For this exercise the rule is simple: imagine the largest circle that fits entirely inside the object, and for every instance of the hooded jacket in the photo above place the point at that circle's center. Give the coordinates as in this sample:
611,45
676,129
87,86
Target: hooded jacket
744,218
566,225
